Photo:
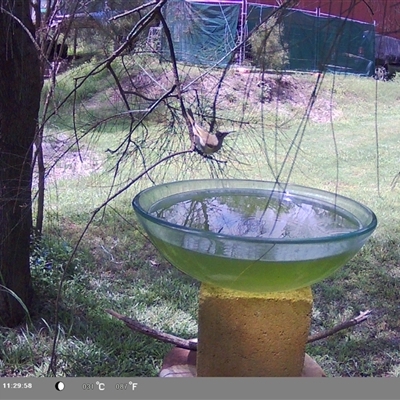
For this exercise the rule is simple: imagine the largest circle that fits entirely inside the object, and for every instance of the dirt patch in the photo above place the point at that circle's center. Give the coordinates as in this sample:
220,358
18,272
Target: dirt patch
63,162
239,86
276,93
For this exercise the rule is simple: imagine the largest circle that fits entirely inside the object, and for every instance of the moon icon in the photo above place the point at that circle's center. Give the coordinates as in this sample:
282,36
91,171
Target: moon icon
60,386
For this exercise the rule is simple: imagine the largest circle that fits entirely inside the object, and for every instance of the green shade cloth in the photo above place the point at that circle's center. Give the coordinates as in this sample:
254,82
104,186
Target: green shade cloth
207,33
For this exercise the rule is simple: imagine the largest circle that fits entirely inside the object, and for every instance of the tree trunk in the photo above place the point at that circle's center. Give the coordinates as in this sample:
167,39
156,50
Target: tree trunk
20,89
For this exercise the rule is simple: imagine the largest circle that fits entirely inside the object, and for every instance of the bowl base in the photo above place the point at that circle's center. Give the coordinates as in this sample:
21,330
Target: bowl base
181,363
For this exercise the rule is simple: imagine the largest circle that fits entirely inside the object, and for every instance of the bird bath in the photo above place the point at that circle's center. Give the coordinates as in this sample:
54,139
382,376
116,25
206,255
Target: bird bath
256,247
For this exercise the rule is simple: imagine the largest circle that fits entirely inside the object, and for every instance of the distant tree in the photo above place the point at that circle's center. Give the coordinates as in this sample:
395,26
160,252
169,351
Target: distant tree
268,49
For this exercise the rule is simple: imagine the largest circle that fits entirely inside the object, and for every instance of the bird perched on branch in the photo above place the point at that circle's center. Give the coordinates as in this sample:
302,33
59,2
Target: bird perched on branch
206,142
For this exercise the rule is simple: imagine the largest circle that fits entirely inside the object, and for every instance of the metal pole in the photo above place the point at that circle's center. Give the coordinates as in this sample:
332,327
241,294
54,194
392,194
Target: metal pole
243,32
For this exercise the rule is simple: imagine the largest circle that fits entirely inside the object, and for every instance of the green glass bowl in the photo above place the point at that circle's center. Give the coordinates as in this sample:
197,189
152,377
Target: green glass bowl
253,236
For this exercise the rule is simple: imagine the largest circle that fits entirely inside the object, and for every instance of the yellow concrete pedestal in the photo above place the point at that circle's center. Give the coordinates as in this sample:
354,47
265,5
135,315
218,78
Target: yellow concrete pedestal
246,334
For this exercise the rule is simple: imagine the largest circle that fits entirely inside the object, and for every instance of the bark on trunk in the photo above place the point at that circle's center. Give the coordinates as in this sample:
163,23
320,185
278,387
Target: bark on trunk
20,88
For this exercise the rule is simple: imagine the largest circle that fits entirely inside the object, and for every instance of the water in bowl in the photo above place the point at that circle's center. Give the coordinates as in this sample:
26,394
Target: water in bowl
273,219
276,215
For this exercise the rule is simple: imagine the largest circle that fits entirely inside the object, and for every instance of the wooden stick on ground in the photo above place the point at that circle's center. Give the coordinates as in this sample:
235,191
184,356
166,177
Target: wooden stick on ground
192,344
164,337
344,325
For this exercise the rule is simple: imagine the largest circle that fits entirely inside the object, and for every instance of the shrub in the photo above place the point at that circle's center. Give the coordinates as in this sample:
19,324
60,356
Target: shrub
268,50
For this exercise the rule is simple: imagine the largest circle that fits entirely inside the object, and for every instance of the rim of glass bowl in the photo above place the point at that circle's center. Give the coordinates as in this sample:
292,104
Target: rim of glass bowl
198,232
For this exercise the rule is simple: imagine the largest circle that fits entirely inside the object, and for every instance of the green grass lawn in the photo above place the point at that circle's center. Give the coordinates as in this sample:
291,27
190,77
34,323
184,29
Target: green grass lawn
349,143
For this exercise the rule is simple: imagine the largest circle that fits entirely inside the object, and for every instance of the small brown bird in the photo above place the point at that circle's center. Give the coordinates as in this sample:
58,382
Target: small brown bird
206,142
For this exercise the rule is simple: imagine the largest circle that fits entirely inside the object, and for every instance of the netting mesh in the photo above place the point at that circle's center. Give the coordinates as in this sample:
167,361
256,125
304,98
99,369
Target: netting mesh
201,33
329,43
207,34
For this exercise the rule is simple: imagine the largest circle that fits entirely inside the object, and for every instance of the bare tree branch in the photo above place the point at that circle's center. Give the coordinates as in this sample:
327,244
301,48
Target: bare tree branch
137,9
176,75
134,33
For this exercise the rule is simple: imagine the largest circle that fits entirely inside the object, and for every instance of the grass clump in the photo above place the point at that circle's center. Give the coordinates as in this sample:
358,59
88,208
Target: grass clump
91,342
